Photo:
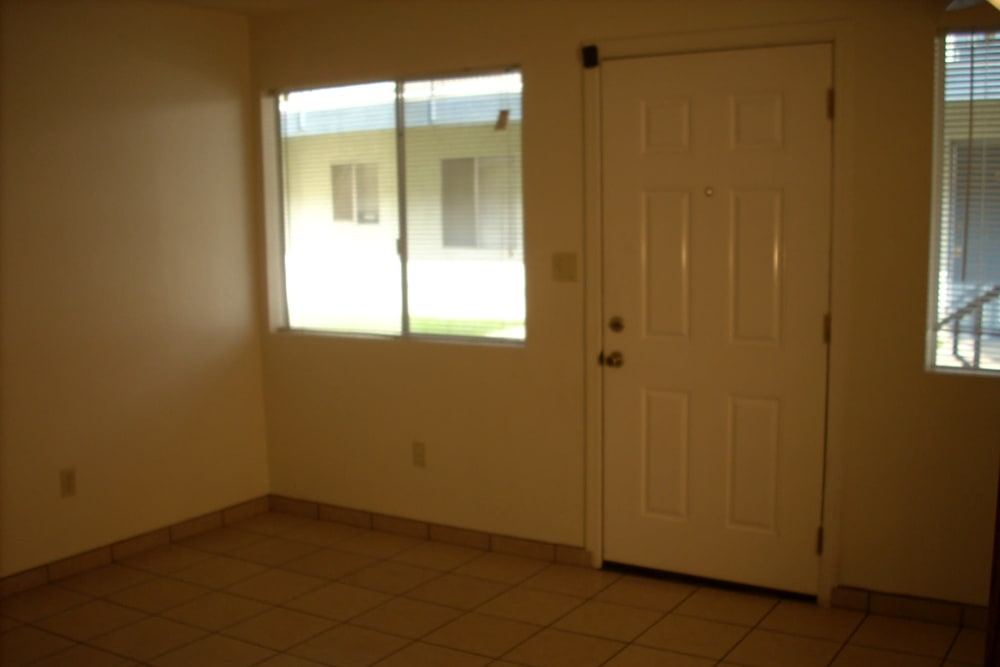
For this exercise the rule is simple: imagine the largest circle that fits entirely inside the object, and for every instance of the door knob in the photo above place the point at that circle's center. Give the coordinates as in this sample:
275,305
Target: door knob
615,360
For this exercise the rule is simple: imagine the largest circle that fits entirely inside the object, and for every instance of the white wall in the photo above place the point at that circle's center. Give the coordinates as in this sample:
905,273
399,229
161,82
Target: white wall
129,323
128,344
914,456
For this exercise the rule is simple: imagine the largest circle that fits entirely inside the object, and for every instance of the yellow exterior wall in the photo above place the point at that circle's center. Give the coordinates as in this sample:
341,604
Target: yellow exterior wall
345,275
130,347
309,185
308,181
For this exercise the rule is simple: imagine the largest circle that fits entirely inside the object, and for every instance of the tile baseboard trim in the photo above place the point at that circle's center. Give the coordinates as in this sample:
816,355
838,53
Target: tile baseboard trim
101,556
94,558
463,537
910,607
884,604
845,597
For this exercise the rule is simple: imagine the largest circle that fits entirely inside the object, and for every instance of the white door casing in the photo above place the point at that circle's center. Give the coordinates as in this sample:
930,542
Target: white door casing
716,218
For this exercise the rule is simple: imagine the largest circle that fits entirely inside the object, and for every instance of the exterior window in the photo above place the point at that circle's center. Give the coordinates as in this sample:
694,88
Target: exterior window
437,244
964,313
476,203
355,192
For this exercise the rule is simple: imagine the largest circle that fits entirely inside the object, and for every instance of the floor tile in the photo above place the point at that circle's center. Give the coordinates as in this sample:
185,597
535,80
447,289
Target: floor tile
555,648
104,580
323,534
329,564
338,601
218,572
641,656
645,592
764,648
694,636
811,620
279,629
897,634
425,655
348,646
275,586
860,656
726,606
166,559
84,656
969,647
438,556
274,551
571,580
390,577
158,594
285,660
25,644
501,567
90,620
287,584
408,618
271,523
40,602
214,650
458,590
148,638
216,610
378,544
483,635
609,620
531,606
222,540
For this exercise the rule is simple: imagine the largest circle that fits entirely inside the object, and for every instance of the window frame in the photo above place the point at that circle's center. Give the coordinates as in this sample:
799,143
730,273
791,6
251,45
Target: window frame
358,212
484,238
962,199
280,293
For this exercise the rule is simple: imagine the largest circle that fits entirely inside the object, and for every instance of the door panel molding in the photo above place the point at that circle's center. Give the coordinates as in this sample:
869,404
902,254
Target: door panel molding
840,35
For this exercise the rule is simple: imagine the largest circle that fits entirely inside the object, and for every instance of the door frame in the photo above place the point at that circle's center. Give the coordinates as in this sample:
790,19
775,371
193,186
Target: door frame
838,35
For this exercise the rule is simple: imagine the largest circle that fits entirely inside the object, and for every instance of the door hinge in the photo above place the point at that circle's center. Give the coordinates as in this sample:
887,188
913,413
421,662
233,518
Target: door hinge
826,328
819,541
591,58
831,103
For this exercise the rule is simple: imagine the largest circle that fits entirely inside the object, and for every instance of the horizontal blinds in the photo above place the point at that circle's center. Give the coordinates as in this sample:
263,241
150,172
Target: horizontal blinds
966,324
457,238
342,268
465,258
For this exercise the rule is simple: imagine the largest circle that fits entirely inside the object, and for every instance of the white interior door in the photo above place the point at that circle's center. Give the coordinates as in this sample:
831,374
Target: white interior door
716,190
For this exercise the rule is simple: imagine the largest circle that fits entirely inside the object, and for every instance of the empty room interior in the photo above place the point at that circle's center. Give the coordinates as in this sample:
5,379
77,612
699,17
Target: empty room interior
158,372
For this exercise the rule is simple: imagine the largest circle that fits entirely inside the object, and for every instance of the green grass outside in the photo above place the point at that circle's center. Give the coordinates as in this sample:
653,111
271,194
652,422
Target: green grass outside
433,325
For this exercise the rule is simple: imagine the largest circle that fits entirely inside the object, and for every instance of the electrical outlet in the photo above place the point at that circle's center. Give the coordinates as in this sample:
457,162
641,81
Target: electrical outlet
419,454
67,482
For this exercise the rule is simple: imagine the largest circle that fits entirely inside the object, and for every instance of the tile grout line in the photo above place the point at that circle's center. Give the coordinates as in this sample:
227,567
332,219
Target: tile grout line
211,550
850,635
753,627
404,595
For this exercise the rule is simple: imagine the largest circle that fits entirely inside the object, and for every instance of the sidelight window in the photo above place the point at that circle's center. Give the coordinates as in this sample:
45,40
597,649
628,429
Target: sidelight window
964,313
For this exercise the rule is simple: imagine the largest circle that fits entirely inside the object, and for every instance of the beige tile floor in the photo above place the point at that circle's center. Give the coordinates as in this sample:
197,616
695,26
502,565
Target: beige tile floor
282,591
